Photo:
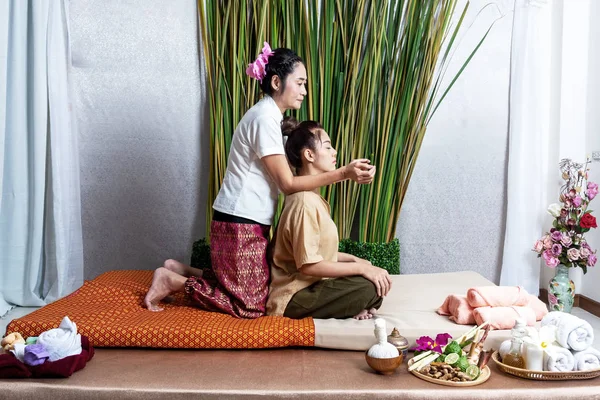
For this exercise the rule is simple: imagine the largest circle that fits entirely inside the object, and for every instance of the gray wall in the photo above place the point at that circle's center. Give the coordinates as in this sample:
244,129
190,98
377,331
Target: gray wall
143,121
141,108
453,217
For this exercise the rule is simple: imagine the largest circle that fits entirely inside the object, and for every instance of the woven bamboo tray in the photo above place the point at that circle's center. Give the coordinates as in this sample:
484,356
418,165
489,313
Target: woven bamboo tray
544,375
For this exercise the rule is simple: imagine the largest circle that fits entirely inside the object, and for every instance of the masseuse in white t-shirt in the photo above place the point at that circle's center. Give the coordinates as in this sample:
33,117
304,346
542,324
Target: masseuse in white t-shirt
245,205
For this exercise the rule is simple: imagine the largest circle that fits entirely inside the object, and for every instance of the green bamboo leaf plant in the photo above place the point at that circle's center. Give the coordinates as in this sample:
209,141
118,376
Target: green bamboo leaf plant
374,72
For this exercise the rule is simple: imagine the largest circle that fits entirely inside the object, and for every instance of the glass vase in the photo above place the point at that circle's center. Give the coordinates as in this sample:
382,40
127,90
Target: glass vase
561,290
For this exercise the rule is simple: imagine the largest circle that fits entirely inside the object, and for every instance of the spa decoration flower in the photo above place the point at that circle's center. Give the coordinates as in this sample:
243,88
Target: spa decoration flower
536,346
425,343
542,338
565,242
258,68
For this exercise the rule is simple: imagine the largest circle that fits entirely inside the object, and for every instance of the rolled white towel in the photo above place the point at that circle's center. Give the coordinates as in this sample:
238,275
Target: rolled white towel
558,359
504,348
63,341
552,318
587,359
571,332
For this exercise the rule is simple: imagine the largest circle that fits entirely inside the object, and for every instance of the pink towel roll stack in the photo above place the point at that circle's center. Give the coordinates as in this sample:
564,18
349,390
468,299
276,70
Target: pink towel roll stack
497,296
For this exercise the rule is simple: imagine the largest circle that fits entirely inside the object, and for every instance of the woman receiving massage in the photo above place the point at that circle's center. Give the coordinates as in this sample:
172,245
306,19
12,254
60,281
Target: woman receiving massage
305,248
257,170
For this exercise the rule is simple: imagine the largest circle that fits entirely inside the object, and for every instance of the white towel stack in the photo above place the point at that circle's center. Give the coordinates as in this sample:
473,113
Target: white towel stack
587,359
571,332
557,358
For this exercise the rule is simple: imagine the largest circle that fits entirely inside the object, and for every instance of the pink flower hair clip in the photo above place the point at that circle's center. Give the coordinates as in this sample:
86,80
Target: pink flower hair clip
258,69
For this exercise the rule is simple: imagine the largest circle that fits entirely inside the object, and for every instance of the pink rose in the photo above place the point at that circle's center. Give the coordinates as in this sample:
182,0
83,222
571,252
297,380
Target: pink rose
556,249
592,190
538,246
566,240
552,262
547,254
592,260
556,236
547,242
573,254
584,252
577,201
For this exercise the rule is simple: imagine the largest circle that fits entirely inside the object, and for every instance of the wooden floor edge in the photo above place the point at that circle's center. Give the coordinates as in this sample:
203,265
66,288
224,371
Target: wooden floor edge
581,301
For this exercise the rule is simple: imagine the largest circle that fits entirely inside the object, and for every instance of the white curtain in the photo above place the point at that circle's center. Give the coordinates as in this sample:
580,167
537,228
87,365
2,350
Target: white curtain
41,254
528,142
549,114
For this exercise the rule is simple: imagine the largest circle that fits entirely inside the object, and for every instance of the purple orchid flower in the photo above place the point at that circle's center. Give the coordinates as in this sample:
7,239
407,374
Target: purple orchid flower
425,343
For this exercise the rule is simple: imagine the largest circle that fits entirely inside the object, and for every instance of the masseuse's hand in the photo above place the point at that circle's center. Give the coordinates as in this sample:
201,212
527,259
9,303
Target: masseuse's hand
380,278
360,171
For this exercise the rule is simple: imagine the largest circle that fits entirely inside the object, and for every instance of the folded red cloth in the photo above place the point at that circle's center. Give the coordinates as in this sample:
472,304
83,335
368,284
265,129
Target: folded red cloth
11,367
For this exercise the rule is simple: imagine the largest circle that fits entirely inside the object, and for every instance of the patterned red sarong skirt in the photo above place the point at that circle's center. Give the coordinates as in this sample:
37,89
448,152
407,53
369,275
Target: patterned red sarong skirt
238,283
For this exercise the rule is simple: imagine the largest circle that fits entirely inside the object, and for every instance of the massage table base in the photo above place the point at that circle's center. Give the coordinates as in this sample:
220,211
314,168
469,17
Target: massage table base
142,374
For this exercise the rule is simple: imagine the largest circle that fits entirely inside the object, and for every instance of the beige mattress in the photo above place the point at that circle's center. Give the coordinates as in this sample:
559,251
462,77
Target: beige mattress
410,306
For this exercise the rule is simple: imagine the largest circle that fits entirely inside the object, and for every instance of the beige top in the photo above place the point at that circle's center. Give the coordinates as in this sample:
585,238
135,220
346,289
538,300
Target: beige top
306,234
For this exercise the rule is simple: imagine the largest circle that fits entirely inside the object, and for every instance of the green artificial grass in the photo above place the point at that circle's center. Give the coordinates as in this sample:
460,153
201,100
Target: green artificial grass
383,255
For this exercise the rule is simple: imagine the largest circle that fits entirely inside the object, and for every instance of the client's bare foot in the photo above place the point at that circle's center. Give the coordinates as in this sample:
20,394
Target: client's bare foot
164,282
364,314
181,268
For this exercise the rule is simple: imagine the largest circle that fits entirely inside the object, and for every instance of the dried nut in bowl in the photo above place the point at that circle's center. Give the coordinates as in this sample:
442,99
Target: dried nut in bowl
384,366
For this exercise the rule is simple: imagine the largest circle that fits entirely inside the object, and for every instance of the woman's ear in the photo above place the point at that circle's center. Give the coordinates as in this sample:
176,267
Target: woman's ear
276,83
308,155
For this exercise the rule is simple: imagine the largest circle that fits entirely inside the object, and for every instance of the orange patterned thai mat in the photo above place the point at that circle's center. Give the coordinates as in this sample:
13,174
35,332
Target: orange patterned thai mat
108,310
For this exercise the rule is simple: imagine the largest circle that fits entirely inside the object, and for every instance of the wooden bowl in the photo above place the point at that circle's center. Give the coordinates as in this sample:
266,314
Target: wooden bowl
384,366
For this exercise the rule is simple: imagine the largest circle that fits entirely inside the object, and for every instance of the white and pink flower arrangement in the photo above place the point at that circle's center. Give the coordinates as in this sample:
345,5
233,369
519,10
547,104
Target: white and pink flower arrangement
565,243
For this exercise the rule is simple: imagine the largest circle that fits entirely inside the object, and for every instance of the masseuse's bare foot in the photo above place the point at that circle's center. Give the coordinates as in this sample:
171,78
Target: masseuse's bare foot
365,314
164,282
181,268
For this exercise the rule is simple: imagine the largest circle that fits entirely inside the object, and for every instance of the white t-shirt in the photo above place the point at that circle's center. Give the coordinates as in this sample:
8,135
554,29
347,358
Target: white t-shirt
248,191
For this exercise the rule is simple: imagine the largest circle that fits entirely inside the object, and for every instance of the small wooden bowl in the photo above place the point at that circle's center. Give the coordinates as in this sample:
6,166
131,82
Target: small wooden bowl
384,366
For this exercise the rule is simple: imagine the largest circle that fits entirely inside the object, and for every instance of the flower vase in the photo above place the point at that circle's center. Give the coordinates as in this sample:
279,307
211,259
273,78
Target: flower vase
561,290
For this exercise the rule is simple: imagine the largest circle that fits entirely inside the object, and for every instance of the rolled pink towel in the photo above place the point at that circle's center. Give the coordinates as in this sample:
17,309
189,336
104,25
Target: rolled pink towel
503,317
497,296
538,307
459,310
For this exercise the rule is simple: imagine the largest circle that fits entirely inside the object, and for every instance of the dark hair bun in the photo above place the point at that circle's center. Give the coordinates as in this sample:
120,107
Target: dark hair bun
288,125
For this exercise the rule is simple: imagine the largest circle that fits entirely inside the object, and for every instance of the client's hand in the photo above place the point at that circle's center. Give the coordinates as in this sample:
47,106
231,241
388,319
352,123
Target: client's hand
380,278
